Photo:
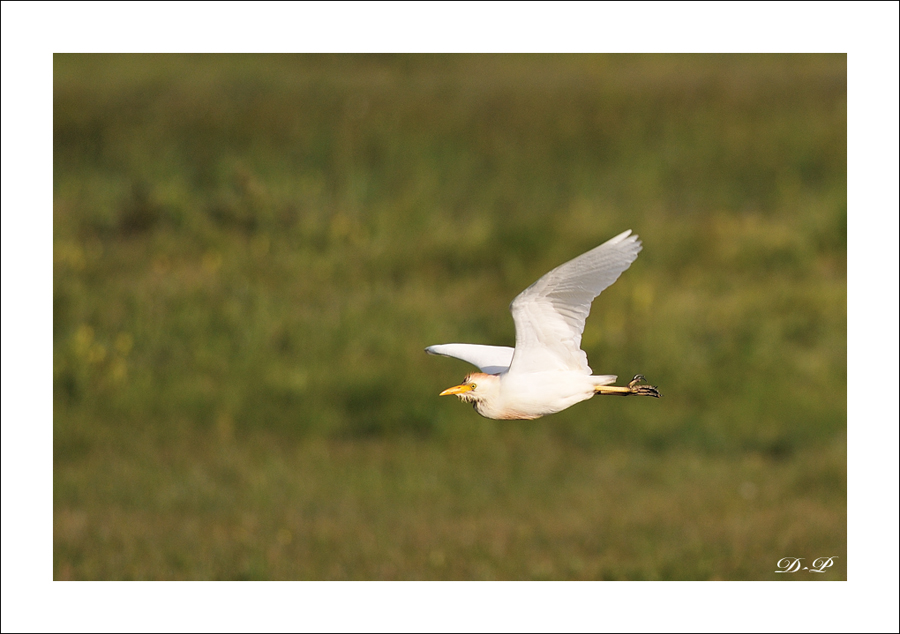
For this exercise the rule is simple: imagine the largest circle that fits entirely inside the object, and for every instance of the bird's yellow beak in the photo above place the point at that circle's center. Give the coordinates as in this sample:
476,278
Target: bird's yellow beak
458,389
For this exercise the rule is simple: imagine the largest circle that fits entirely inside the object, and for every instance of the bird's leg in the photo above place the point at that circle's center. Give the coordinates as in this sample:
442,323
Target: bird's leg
634,387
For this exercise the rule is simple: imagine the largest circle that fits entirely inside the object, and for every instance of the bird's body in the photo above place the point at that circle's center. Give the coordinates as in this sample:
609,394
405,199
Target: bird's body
547,371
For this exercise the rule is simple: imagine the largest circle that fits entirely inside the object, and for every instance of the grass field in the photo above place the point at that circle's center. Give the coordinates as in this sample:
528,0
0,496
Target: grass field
251,252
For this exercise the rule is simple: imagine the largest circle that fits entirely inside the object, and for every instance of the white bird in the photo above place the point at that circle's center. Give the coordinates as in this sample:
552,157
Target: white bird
547,371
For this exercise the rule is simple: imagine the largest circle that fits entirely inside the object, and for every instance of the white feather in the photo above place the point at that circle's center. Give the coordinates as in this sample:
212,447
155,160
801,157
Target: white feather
550,313
489,359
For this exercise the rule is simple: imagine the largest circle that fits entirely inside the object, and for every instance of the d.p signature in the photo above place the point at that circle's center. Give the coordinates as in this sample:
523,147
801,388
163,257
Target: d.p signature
795,564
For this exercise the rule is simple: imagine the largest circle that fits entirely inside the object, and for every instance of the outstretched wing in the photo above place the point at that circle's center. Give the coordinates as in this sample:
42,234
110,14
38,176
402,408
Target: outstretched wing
550,313
490,359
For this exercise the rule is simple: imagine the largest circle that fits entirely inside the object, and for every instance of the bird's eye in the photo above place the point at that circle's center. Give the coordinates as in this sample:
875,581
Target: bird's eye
473,385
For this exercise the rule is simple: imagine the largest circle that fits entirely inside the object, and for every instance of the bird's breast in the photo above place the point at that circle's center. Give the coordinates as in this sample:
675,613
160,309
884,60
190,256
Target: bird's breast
528,396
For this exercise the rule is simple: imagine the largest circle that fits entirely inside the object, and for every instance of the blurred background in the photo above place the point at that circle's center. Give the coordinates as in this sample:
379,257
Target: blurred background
252,251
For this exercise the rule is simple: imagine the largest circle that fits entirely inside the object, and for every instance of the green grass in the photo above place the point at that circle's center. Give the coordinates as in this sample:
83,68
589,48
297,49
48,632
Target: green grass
251,252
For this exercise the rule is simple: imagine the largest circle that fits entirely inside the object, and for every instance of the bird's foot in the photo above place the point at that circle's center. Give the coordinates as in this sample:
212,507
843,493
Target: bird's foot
637,386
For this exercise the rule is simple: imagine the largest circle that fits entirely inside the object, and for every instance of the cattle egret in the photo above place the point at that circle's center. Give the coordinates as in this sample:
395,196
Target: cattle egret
547,371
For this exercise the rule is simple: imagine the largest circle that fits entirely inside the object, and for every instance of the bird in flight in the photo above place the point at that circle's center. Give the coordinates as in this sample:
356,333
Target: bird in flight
547,371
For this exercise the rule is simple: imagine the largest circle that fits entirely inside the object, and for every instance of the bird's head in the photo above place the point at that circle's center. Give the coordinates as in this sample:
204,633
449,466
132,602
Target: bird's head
475,388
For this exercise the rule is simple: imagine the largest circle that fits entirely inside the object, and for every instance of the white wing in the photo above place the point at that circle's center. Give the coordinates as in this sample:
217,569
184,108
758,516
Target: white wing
491,359
550,313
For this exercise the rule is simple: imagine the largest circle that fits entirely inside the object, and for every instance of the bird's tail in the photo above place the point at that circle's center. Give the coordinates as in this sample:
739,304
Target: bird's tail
604,379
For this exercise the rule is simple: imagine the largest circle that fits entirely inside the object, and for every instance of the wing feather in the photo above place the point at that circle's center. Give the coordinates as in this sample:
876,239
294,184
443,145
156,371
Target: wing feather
489,359
550,314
